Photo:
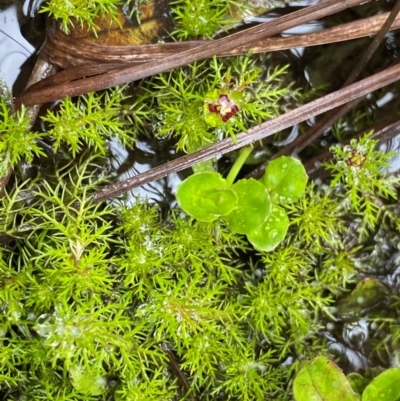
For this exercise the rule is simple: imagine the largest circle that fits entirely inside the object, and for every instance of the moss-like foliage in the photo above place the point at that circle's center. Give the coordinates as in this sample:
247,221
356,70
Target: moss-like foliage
180,103
92,295
16,143
112,301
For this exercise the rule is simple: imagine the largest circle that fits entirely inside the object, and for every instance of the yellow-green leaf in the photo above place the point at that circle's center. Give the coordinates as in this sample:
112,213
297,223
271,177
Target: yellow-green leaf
322,380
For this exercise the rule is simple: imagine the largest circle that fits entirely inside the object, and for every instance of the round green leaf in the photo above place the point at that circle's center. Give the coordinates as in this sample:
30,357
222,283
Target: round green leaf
286,179
252,209
206,196
385,387
272,232
322,380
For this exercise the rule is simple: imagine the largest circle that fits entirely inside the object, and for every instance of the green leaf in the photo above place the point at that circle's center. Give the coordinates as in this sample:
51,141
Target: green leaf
385,387
272,232
286,179
322,380
369,293
357,382
252,209
206,196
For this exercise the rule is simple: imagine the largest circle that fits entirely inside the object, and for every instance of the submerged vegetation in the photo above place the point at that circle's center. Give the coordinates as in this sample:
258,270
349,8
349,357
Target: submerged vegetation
118,301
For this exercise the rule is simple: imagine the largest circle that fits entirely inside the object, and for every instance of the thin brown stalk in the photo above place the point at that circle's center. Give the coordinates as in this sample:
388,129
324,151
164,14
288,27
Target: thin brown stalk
64,51
56,90
257,133
327,121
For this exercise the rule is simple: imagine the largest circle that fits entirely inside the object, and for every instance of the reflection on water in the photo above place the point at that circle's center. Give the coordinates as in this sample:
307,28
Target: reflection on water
365,334
146,155
14,48
350,360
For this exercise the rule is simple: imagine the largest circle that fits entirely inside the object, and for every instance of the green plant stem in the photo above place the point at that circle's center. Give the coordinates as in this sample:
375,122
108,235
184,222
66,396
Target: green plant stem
243,155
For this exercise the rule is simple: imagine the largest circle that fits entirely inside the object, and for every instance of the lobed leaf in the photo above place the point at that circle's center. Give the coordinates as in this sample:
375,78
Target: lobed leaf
252,209
272,232
206,196
286,179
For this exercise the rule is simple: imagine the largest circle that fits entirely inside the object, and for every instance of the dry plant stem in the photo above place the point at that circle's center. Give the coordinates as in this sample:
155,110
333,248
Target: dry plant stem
57,90
327,121
318,106
174,366
42,70
63,50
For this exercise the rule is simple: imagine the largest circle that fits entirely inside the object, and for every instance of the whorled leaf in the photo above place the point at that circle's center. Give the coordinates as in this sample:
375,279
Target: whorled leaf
87,382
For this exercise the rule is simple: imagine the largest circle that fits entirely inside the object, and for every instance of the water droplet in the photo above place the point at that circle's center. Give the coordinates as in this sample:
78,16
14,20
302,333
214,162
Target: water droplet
330,326
76,332
374,326
273,234
101,381
335,384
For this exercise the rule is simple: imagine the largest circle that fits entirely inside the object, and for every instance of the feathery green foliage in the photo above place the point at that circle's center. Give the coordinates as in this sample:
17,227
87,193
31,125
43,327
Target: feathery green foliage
16,144
201,19
81,12
173,103
95,298
362,168
90,122
113,302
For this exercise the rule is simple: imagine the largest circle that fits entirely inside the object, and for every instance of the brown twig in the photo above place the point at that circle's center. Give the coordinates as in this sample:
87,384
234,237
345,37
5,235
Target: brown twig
327,121
64,51
57,88
257,133
177,371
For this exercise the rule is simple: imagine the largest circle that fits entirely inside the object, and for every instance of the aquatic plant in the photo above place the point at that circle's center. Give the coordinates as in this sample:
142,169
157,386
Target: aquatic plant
117,301
249,206
178,103
202,19
108,300
81,12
